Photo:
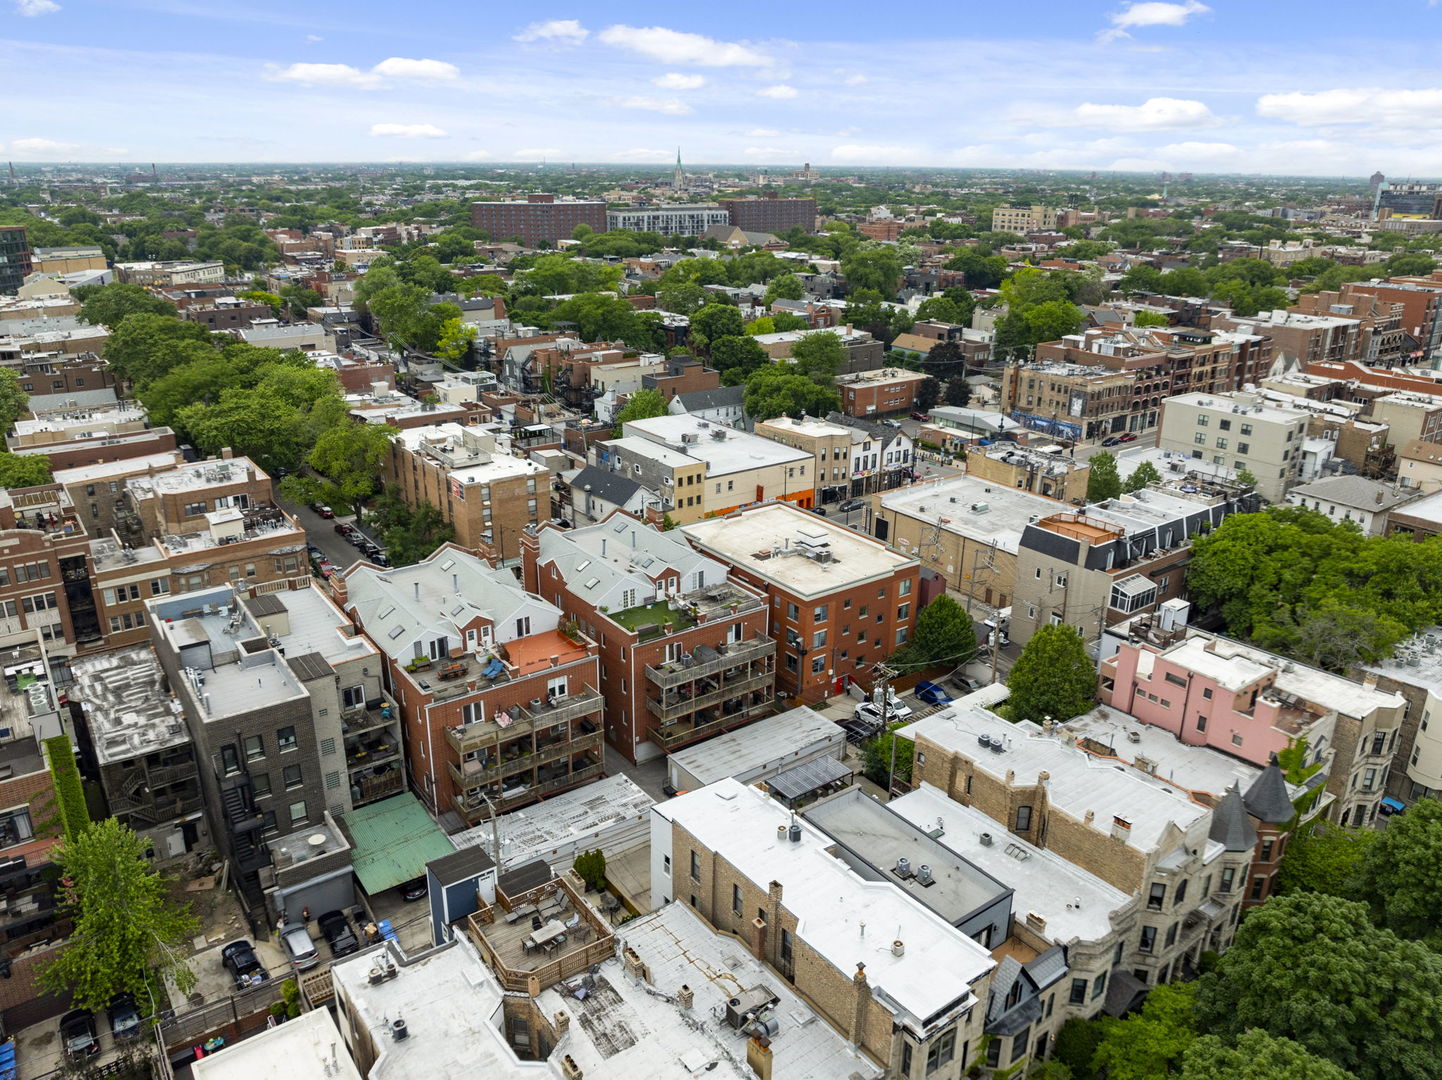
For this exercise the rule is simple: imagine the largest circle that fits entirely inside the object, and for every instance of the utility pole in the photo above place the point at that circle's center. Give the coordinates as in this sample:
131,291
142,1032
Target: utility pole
882,682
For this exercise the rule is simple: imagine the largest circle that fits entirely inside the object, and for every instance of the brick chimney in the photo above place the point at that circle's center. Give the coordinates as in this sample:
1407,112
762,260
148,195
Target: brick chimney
857,1035
562,1023
758,1056
758,938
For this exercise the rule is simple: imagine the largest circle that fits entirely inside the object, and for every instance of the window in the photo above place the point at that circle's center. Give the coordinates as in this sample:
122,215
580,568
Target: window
1379,743
1267,846
229,759
1078,991
905,1058
736,899
293,777
792,612
1246,429
1157,898
941,1051
1174,679
1229,875
1181,893
523,626
818,639
254,747
1201,722
821,614
904,590
1149,939
818,664
695,866
1207,693
1236,740
1023,818
285,738
268,822
1244,447
1171,935
353,697
1225,425
15,827
903,612
1221,443
1203,420
1100,986
297,813
666,865
901,635
262,785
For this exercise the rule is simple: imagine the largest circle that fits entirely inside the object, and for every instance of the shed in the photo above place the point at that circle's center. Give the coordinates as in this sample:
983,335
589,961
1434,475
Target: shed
757,751
394,839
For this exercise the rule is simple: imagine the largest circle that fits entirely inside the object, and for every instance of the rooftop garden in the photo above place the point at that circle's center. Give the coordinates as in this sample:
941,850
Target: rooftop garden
657,613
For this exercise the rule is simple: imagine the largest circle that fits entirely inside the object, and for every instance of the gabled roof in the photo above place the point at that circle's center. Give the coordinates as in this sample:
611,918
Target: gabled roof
718,398
1266,800
605,485
1230,825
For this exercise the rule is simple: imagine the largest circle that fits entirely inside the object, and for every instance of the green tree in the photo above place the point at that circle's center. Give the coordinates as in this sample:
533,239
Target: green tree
1410,264
1053,676
958,392
818,357
772,392
24,470
784,287
1325,859
944,634
1103,480
597,316
1144,474
146,345
1313,969
873,268
1076,1045
351,456
682,297
717,320
1143,319
14,401
877,760
783,321
456,340
1151,1043
269,299
109,305
410,533
1256,1056
928,394
1246,478
1141,277
69,791
980,271
1400,873
737,357
641,405
127,929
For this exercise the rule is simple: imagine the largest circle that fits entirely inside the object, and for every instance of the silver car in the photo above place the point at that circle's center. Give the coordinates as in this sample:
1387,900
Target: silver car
300,947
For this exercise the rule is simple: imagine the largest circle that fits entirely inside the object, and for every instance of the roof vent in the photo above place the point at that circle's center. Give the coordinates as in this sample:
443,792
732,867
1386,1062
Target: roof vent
985,839
399,1030
795,833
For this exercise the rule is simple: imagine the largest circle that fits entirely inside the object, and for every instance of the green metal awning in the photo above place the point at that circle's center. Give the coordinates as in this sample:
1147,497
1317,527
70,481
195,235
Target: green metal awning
394,839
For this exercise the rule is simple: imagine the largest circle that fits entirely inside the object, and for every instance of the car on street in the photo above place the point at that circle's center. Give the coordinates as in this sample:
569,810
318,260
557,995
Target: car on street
344,528
932,693
323,510
300,947
1130,436
415,889
869,712
1112,440
337,932
852,504
325,569
923,417
240,960
124,1018
818,510
858,731
77,1034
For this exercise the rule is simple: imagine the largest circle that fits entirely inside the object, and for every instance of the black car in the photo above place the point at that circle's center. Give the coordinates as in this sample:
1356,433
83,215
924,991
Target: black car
240,960
415,889
77,1034
858,731
1114,440
337,932
124,1018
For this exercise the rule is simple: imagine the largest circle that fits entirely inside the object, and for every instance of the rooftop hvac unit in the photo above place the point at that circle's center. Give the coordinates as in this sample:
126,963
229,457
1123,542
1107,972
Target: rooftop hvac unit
924,875
744,1006
903,868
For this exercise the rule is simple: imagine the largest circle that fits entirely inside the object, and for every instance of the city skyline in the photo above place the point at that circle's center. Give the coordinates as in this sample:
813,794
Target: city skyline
1132,86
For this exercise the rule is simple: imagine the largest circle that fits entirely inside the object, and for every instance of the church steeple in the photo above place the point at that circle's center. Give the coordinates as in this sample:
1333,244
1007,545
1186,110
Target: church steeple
678,178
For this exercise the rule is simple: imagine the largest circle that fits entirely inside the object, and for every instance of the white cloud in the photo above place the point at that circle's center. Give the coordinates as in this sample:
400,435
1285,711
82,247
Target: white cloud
639,154
781,92
1199,151
558,31
669,106
1154,114
762,133
1365,105
864,154
311,39
533,153
678,47
1151,13
41,147
400,67
855,80
32,8
323,75
409,131
674,80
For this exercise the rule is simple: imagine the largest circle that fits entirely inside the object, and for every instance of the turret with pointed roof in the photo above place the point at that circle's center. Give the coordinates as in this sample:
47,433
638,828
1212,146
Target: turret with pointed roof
1230,825
1267,799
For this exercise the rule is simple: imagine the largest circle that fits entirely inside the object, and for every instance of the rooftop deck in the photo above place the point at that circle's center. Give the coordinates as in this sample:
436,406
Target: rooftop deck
503,933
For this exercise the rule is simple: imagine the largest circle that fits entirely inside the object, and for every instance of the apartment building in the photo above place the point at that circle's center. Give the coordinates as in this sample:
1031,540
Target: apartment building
882,455
1134,831
168,274
641,473
486,495
909,993
1421,302
967,530
1353,498
72,424
1408,416
260,708
15,258
1014,466
1110,561
1077,401
685,649
1252,704
840,601
1419,465
1299,339
68,260
539,219
884,392
1412,671
828,443
863,352
741,468
1239,430
44,582
1023,219
1379,322
669,219
497,693
769,215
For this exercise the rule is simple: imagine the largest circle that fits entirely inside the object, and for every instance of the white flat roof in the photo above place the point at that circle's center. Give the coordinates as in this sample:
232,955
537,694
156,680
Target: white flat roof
807,425
1416,661
775,739
846,919
736,452
85,474
777,532
1077,781
949,502
309,1047
1253,409
1195,768
1076,905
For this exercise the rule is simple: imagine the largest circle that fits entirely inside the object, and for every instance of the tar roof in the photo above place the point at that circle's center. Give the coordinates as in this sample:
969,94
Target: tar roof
929,983
127,708
772,740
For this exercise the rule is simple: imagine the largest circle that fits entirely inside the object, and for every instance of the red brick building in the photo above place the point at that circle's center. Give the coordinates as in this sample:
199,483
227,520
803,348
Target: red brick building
540,218
771,215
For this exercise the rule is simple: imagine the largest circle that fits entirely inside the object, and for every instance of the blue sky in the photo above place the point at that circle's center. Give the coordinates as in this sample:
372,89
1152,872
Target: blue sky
1276,86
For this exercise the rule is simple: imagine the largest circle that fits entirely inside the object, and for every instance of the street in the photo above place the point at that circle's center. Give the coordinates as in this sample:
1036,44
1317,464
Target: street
321,533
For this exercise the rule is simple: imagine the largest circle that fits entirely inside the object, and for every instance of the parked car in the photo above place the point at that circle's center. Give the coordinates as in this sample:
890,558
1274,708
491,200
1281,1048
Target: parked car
933,693
124,1018
415,889
323,510
344,528
356,538
851,504
858,731
923,417
338,934
1112,440
869,712
314,552
965,684
1130,436
300,947
77,1034
325,569
380,558
240,960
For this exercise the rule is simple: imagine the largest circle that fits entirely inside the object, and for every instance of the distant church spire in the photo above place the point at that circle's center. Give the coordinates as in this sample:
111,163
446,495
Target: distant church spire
678,179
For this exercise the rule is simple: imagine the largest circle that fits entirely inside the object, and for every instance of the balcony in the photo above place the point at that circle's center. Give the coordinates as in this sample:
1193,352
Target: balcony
367,789
729,655
475,772
671,736
676,704
376,713
474,809
523,721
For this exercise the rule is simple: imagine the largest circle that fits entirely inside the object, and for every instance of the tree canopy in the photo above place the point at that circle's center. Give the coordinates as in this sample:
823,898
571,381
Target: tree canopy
24,470
641,405
1399,873
109,305
772,392
944,634
1103,482
1256,1056
14,401
1053,676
